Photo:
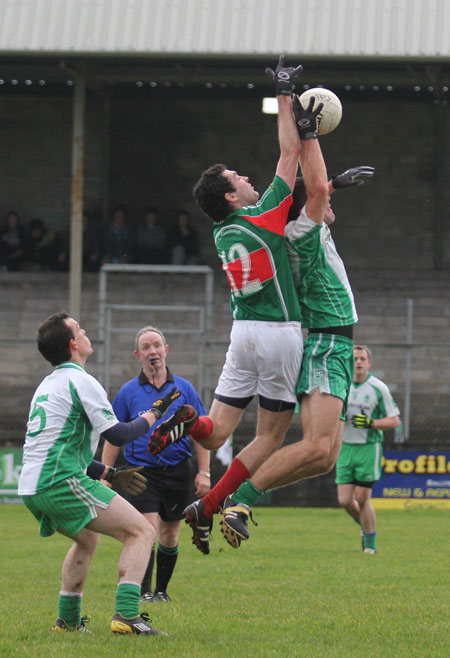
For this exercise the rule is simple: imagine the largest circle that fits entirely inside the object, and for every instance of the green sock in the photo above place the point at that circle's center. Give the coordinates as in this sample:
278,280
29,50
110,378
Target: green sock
127,599
247,493
358,521
370,540
69,607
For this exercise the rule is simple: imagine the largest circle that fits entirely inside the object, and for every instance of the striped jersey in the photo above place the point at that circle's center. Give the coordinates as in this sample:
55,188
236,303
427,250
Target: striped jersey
252,247
326,298
68,412
374,399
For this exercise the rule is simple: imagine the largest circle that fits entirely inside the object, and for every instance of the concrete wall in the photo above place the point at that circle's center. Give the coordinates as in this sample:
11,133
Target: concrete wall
151,151
26,299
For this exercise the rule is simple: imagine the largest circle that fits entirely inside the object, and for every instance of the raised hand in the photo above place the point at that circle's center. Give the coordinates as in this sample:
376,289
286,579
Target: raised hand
306,119
352,177
284,77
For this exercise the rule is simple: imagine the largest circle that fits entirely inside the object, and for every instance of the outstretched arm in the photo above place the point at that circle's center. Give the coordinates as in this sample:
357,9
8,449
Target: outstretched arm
122,433
315,176
312,163
290,145
350,178
283,79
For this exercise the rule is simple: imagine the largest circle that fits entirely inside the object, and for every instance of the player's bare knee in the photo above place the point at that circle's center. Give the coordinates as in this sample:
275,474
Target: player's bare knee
215,441
91,543
329,463
140,530
87,541
146,531
322,456
362,500
345,500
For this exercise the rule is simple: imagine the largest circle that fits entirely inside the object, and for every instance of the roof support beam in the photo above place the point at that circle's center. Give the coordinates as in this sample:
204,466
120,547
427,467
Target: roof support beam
76,225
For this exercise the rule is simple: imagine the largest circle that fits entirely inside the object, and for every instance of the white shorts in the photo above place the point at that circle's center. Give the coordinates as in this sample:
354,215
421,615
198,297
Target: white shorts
264,358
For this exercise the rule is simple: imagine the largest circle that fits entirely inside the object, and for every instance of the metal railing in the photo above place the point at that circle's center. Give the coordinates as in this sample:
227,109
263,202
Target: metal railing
202,331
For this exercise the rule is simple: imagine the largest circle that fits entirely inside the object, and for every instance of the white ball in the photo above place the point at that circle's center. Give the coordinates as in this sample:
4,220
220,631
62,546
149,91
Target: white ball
331,113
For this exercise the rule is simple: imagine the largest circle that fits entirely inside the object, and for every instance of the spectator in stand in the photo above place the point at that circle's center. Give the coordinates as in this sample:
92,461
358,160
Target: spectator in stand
183,241
91,247
91,244
152,239
44,247
13,243
119,239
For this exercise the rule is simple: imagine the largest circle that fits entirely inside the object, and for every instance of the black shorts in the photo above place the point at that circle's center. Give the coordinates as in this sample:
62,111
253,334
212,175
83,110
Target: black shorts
169,490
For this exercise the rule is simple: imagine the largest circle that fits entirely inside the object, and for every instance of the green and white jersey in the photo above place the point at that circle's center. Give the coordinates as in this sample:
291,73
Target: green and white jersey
374,399
252,247
326,298
68,412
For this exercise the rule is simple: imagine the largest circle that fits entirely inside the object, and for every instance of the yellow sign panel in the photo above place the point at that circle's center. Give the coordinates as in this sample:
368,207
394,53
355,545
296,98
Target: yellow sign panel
409,503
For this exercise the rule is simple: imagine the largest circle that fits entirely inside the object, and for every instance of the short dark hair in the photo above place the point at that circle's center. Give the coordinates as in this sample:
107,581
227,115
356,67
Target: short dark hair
15,213
210,190
37,224
53,339
299,197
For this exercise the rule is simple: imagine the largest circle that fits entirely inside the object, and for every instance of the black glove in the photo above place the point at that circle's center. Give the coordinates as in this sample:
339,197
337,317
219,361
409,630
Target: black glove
128,480
362,422
351,177
283,78
160,406
306,120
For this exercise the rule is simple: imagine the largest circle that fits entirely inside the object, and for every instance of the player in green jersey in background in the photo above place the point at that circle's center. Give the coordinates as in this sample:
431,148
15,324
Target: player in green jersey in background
328,311
68,413
370,410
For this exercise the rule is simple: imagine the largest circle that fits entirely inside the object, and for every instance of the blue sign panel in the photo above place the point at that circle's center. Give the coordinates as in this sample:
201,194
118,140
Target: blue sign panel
414,475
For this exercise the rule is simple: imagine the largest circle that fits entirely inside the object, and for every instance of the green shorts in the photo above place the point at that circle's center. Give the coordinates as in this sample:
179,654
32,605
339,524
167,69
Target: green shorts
69,504
359,462
327,365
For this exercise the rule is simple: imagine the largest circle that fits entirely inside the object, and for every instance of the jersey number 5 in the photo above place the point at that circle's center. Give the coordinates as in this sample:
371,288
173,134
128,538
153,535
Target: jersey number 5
38,412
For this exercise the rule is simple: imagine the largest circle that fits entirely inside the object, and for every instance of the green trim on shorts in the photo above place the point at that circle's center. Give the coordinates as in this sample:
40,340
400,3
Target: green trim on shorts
69,504
327,365
359,462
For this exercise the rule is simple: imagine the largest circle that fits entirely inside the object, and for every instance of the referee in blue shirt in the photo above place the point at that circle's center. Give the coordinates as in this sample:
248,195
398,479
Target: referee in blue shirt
170,473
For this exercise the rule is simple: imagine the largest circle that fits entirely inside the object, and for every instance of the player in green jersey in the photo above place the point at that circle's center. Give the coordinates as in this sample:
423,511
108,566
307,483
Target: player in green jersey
328,311
69,411
264,355
371,410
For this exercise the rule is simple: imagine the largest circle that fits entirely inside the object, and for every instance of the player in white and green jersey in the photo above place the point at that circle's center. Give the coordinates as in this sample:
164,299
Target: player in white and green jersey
371,410
327,306
68,412
328,311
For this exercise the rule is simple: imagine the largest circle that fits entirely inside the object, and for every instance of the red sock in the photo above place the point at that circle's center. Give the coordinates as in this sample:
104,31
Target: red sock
228,483
202,428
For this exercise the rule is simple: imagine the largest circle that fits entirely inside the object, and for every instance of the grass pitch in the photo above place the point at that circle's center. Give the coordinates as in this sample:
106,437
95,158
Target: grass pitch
300,586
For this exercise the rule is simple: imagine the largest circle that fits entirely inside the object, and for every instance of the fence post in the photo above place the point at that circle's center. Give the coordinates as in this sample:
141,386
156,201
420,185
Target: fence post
409,348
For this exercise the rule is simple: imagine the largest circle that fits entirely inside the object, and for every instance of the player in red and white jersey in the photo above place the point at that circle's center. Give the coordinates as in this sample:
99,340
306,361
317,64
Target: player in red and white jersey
266,346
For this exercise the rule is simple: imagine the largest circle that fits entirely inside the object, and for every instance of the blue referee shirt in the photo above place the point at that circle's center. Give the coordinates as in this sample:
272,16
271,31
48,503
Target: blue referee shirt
137,396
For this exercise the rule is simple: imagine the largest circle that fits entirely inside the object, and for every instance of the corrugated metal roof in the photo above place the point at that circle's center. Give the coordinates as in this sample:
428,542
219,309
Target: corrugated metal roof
388,28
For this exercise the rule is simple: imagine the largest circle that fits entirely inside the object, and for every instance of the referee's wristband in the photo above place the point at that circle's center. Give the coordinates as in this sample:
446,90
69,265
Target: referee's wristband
205,473
110,474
